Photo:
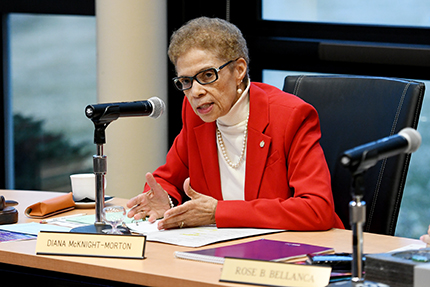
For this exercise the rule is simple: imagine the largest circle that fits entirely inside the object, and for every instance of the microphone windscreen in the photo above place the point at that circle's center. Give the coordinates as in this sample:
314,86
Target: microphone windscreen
158,107
413,137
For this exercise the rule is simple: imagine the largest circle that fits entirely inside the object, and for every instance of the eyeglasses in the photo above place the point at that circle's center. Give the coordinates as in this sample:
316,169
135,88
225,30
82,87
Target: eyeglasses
204,77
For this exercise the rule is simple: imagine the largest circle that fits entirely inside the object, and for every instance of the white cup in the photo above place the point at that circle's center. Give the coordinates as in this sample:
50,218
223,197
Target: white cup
83,186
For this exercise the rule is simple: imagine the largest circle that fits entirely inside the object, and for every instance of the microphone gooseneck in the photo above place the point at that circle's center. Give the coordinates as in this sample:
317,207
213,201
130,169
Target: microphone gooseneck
365,156
105,113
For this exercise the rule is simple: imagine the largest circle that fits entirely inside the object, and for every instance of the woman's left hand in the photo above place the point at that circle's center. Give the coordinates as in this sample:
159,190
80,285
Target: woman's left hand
198,211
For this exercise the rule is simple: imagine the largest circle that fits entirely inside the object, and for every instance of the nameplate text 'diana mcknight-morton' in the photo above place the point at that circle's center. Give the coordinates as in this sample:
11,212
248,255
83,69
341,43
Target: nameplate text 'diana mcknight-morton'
90,244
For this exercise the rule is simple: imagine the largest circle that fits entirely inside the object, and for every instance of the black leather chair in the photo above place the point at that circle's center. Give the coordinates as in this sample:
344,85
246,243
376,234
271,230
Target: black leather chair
355,110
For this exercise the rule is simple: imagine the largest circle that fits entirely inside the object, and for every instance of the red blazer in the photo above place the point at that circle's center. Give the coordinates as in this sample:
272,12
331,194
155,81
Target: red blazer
287,182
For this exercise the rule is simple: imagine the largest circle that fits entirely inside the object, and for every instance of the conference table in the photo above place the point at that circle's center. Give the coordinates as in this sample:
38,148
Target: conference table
18,259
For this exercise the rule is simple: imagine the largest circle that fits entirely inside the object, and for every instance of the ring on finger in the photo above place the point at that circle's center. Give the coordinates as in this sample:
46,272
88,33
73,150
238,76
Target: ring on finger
181,225
149,192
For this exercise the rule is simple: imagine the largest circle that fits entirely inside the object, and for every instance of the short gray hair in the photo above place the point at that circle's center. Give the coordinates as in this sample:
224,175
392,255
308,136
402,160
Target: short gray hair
216,35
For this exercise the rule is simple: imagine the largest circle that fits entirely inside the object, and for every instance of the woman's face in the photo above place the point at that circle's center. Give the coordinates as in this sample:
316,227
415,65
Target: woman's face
213,100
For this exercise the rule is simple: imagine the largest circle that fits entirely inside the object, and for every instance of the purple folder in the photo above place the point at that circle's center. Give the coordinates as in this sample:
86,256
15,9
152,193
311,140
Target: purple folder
262,249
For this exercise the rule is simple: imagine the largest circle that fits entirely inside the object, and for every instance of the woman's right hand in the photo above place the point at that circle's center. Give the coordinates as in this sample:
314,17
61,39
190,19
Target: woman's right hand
153,203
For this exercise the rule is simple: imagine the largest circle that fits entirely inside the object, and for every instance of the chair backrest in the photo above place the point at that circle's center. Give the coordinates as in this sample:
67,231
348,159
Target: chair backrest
355,110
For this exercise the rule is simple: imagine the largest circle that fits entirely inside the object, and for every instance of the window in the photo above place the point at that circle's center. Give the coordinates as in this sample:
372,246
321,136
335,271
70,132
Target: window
373,12
53,78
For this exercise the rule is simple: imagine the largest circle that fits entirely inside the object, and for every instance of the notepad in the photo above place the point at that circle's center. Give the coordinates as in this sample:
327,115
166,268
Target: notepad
262,249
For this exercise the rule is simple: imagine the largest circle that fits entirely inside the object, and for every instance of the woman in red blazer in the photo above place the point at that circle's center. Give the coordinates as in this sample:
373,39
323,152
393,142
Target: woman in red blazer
248,154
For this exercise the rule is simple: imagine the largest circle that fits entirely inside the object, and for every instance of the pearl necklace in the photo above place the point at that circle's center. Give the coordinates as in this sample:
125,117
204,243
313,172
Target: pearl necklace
224,150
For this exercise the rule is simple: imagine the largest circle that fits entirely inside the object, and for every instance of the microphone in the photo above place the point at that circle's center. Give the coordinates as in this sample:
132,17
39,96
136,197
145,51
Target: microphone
360,158
104,113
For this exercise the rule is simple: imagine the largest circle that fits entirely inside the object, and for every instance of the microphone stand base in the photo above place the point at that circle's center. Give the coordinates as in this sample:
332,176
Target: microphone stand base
98,229
356,284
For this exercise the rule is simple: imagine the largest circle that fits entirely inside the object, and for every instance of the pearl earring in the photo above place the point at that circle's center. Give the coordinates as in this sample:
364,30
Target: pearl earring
239,90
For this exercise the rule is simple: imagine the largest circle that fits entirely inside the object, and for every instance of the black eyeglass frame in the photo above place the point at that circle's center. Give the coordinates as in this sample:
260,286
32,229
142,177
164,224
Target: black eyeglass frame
216,70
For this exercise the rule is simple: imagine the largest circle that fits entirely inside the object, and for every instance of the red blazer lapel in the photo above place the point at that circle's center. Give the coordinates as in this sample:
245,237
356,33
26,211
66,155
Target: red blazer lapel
207,146
258,143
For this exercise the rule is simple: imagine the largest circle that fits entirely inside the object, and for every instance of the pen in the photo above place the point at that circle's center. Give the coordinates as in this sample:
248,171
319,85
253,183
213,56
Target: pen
61,218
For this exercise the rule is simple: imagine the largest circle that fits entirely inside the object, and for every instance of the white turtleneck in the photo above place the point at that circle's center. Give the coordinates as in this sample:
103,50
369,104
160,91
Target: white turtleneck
232,127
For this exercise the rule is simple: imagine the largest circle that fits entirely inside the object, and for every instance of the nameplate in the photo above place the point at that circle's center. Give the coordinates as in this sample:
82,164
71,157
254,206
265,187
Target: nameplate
271,273
90,244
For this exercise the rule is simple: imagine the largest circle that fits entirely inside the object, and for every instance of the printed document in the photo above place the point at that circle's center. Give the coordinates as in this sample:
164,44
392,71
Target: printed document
195,236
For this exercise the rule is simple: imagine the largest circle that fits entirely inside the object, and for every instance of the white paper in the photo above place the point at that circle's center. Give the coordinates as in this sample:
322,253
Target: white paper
33,228
195,236
410,247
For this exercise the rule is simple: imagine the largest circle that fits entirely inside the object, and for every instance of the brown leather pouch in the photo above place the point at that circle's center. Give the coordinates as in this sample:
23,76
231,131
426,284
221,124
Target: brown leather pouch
51,206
